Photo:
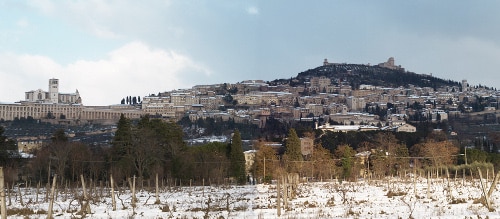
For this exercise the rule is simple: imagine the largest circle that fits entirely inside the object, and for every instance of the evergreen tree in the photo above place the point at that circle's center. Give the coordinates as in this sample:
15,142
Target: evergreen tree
346,155
59,136
7,148
123,135
293,153
144,149
122,147
237,158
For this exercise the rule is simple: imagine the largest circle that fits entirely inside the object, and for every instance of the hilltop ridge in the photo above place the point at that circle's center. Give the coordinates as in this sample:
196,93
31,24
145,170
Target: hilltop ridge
383,74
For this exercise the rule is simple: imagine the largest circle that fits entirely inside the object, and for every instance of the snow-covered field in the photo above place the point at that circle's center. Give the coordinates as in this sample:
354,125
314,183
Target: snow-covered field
395,198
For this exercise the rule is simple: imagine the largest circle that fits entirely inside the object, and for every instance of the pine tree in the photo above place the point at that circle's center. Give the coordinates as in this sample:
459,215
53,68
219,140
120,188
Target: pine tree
122,145
293,153
237,158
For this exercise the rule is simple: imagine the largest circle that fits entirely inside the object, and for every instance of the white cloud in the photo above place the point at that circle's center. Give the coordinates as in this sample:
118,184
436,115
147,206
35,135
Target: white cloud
105,19
135,69
22,23
46,6
253,10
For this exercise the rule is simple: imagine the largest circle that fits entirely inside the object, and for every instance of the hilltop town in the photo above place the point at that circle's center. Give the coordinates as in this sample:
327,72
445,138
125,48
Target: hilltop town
333,96
337,121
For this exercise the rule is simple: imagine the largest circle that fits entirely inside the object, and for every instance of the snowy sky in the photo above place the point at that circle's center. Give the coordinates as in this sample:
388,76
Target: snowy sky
109,49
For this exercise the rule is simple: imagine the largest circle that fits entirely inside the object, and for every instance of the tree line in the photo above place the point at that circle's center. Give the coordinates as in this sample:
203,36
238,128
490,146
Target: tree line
140,148
380,155
131,100
151,146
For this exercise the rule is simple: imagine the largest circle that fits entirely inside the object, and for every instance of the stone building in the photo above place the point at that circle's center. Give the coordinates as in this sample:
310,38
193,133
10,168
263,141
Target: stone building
53,95
50,105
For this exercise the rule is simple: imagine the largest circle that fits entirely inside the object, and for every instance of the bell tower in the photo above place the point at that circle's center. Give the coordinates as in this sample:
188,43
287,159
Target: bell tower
54,90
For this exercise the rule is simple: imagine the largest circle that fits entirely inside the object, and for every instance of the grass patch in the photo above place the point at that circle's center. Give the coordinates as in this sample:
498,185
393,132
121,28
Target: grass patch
458,201
24,211
391,194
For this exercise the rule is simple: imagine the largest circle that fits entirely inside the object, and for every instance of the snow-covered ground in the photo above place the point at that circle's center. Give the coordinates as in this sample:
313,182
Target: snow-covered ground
395,198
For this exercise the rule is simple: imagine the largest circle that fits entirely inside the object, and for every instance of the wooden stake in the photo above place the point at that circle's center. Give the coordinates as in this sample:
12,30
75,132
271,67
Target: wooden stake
85,207
134,199
113,192
494,184
285,192
37,191
448,183
157,191
51,197
415,177
278,198
47,190
8,194
2,195
428,185
20,196
486,199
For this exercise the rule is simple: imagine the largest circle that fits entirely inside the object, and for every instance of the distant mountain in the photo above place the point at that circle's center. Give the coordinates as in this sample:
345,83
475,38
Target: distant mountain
356,74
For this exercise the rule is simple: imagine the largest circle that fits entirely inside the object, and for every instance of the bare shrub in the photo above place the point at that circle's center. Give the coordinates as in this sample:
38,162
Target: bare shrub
391,193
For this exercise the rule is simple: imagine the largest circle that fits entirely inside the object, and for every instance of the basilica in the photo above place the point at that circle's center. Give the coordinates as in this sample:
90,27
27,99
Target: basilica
53,95
66,107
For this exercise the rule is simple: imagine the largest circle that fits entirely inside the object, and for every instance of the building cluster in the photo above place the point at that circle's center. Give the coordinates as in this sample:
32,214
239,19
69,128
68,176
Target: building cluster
333,102
53,106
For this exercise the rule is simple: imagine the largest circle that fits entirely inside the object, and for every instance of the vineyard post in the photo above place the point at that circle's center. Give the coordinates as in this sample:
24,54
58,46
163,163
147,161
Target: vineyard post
2,195
157,191
113,192
483,189
51,197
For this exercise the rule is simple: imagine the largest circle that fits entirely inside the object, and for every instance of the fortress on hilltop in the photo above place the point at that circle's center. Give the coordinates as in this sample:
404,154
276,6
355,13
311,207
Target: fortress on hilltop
389,64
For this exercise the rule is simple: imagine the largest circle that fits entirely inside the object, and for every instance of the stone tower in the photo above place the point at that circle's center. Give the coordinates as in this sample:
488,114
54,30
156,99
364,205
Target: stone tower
390,62
325,63
465,85
54,90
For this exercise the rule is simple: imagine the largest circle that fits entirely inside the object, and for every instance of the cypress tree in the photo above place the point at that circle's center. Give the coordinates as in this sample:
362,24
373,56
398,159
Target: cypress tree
237,158
122,144
293,153
123,135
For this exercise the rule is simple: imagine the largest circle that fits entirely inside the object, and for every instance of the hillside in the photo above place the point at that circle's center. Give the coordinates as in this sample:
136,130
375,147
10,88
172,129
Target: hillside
357,74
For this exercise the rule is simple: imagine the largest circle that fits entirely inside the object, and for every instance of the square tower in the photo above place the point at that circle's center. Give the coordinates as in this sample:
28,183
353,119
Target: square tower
54,90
